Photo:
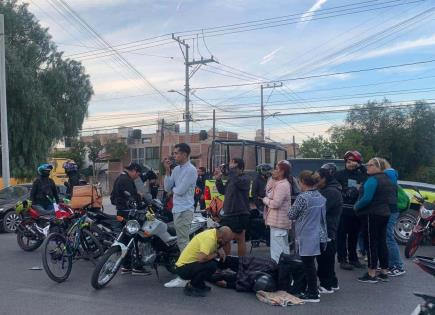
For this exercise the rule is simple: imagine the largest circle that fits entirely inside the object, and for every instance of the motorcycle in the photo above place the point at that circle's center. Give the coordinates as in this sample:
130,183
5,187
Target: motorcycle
199,222
34,227
424,227
427,264
145,238
104,227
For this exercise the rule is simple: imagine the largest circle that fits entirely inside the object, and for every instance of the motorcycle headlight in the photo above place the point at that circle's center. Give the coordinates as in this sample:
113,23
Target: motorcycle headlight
425,213
132,226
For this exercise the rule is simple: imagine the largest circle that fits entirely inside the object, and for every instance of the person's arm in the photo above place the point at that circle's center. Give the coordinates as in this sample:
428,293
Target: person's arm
297,208
242,182
280,194
369,190
202,258
220,186
34,191
186,183
54,191
168,183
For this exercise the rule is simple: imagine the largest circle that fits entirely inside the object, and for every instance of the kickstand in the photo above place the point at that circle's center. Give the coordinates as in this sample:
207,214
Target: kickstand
157,271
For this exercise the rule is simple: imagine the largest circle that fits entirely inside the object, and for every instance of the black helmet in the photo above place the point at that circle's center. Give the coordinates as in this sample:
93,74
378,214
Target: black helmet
264,169
331,167
264,282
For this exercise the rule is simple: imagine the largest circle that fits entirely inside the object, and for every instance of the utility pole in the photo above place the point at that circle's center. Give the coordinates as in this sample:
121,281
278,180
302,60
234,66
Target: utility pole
267,86
214,124
294,147
3,107
162,135
188,75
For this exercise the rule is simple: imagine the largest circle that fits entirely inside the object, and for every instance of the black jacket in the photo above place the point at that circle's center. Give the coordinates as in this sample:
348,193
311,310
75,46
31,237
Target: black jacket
236,192
123,183
42,188
73,180
259,191
334,207
380,203
347,179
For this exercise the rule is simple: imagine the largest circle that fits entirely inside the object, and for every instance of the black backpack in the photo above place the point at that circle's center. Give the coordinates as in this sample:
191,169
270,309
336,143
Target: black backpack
291,275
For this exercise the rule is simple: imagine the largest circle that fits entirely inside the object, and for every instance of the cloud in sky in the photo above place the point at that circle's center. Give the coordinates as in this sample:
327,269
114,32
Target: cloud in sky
308,15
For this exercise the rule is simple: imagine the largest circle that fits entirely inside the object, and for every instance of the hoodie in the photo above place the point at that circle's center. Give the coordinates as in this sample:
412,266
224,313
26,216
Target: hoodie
334,206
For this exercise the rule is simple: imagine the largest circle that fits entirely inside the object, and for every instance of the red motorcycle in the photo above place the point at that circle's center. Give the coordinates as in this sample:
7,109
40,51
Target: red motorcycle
34,227
424,227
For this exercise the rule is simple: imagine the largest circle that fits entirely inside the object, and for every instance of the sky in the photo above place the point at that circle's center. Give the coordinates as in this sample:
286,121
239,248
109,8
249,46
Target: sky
291,41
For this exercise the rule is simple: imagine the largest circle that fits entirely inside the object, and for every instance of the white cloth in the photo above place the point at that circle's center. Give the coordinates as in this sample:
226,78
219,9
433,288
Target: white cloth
278,243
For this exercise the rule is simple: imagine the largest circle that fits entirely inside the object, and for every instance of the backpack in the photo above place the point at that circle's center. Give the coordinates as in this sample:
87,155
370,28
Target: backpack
403,201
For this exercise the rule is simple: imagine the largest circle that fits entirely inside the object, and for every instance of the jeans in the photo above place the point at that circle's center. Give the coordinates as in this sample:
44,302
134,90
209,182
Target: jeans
44,211
197,272
310,274
393,248
278,243
375,236
326,266
182,223
347,238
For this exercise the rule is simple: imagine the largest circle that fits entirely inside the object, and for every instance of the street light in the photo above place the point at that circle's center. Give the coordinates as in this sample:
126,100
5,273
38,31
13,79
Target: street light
175,91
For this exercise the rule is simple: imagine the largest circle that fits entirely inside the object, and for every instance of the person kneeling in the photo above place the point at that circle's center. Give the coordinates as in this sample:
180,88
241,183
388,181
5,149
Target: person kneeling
198,261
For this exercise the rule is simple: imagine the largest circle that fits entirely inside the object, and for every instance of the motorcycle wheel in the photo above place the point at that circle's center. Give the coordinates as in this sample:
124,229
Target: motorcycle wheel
56,260
26,239
106,268
91,245
404,226
413,244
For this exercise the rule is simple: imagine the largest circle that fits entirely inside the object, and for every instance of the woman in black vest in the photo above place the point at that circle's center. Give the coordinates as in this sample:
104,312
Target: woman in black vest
374,211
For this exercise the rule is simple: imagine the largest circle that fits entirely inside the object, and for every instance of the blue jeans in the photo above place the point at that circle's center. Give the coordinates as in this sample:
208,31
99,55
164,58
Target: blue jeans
394,259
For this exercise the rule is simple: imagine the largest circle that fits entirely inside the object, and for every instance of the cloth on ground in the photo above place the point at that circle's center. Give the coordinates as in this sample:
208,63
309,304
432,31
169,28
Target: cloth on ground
279,298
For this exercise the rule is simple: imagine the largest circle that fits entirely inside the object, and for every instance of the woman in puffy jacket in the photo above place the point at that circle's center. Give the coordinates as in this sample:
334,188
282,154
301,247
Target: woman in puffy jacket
277,203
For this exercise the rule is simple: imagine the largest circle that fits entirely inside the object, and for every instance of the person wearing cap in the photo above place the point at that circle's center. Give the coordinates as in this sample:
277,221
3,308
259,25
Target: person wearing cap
351,179
126,183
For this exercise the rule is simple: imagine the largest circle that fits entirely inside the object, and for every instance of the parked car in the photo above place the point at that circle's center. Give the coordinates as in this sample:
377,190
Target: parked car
9,196
408,218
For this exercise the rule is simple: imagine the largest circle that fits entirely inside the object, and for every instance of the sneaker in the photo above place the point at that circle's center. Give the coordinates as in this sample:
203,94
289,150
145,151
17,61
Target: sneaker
382,277
346,266
368,279
176,283
356,264
395,272
140,272
312,298
125,270
335,288
325,290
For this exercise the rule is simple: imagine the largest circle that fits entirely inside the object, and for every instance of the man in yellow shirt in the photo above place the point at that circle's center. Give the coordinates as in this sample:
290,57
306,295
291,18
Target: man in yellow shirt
198,263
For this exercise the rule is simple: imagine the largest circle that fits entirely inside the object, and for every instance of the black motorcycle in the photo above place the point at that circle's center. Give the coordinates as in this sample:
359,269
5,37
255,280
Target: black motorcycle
104,227
428,306
145,239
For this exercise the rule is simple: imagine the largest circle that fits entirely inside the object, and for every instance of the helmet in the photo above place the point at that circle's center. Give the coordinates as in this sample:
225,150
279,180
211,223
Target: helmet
331,167
355,154
45,169
264,282
69,166
264,169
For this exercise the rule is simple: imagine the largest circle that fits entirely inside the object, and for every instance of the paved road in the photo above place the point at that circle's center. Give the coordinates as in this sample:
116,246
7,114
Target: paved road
24,291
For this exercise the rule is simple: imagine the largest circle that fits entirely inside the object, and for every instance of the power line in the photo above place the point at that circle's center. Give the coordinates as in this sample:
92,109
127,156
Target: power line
321,75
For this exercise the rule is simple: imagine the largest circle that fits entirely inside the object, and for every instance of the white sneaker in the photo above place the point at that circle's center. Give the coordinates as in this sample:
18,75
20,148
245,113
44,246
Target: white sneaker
176,283
324,290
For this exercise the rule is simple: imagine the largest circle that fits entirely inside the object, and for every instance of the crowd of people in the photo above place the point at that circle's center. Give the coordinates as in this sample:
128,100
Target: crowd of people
326,213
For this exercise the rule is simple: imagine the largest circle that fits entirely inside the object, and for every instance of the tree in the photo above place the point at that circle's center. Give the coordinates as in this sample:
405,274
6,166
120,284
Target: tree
317,147
47,96
94,150
116,150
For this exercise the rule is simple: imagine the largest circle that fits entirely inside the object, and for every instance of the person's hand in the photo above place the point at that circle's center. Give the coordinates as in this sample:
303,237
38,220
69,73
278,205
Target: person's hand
217,173
167,164
221,254
265,200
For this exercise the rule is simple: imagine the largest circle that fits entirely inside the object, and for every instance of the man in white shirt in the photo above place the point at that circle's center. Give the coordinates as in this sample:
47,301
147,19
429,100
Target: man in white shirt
181,182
